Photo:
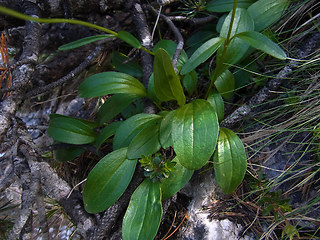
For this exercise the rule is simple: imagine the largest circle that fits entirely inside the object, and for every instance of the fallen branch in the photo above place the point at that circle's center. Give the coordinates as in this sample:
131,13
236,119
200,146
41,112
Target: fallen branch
176,33
194,21
87,62
140,22
23,74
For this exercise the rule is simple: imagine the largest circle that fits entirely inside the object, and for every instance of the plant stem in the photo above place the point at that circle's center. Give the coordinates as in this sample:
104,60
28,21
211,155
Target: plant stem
220,61
25,17
146,50
282,214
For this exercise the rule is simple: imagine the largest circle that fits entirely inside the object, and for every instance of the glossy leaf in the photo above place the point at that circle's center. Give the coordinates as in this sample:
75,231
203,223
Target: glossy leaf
217,103
114,105
131,67
263,43
107,132
67,154
243,22
166,82
265,13
202,54
190,81
165,130
70,130
111,82
176,180
237,48
129,38
145,142
194,133
230,162
227,5
107,181
143,216
225,84
131,127
84,41
171,47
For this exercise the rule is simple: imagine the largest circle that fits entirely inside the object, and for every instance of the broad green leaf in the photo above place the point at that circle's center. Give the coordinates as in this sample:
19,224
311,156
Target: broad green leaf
166,82
203,35
263,43
67,154
129,38
107,181
237,48
220,22
84,41
242,78
70,130
230,162
89,123
143,216
136,107
114,105
131,68
171,47
243,75
195,131
165,130
265,13
163,113
190,81
225,84
145,142
202,54
106,132
227,5
110,82
200,37
131,127
217,103
243,22
176,180
152,92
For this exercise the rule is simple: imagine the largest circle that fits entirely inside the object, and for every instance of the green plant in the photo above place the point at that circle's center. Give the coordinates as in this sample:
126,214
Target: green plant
192,7
189,125
273,203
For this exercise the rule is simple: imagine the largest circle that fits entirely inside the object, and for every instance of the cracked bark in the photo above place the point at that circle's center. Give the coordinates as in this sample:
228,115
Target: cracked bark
140,22
87,224
23,74
58,189
25,165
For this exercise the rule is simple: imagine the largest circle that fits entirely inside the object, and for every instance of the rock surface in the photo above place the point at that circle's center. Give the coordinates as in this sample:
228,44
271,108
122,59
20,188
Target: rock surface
203,190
